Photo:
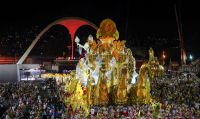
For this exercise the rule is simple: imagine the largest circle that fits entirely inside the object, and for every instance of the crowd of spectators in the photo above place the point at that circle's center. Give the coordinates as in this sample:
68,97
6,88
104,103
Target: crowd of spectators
30,100
142,112
177,90
176,97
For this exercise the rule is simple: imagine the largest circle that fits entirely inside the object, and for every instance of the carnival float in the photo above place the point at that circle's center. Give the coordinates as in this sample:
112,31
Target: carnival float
106,75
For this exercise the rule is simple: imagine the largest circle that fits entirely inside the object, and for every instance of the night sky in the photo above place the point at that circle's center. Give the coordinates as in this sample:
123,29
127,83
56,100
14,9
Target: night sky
150,17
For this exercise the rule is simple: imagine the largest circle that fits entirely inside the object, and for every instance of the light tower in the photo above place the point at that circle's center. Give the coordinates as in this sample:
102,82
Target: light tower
180,33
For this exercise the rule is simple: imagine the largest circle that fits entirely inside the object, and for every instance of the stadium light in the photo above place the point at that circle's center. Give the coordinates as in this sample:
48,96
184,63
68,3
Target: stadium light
190,57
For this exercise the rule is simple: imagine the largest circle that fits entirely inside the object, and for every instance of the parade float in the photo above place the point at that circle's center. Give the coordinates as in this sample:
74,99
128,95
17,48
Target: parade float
106,75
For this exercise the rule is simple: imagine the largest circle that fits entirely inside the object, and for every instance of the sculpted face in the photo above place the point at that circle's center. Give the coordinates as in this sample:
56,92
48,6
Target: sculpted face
108,27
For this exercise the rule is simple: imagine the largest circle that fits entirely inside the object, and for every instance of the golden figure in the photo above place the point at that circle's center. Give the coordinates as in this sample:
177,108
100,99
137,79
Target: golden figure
147,73
101,96
107,31
143,85
121,89
115,75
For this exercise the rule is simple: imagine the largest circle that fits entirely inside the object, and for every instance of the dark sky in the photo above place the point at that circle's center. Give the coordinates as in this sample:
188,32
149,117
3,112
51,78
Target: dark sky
142,16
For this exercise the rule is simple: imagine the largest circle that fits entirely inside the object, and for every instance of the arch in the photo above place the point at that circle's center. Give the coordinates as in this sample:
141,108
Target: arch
70,23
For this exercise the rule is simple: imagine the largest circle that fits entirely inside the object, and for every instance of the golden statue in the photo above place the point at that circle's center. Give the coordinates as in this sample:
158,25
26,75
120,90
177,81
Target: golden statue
107,31
143,85
101,93
120,91
106,34
155,68
147,73
115,74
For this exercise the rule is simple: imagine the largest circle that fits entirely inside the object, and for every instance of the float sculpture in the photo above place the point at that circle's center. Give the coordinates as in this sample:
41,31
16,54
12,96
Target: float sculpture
107,72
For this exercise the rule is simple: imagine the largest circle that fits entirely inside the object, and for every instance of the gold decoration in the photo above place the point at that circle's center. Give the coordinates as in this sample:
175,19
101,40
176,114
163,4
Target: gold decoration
121,89
107,29
118,47
101,97
148,69
108,69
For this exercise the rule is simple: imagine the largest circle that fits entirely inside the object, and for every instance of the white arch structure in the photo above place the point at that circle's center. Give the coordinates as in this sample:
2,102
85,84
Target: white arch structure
70,23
